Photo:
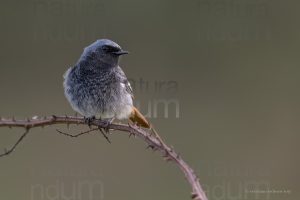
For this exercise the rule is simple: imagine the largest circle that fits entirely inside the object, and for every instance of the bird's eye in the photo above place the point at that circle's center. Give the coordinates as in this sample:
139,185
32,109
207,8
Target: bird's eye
105,48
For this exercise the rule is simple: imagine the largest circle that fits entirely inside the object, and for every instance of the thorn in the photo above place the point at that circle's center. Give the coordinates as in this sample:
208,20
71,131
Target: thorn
28,120
104,135
150,134
13,119
131,133
171,149
53,117
165,155
44,117
193,172
150,146
76,114
194,195
178,156
167,159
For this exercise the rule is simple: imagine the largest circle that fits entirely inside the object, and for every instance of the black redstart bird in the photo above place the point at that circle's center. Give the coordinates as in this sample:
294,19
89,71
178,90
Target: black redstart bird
97,87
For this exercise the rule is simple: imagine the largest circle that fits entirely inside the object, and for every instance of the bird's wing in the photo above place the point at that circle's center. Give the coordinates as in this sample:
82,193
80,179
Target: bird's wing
124,82
128,87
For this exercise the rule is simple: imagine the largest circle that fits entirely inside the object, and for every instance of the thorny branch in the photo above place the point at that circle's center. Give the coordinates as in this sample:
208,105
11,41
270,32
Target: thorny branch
155,143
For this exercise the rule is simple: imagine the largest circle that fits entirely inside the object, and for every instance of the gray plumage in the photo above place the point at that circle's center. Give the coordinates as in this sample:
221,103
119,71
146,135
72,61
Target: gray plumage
96,85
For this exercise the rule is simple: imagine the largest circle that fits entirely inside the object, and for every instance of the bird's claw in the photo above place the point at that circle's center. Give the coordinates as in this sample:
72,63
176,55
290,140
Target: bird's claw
89,120
106,124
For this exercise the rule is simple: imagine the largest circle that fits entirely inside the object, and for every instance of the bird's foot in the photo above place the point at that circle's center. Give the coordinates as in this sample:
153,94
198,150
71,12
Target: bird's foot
105,126
89,120
106,123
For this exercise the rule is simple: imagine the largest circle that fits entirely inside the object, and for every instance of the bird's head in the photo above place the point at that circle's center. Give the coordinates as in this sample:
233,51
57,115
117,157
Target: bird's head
103,51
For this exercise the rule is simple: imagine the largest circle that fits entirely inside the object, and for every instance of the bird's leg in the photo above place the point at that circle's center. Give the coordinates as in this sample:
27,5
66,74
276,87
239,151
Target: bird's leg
106,124
89,120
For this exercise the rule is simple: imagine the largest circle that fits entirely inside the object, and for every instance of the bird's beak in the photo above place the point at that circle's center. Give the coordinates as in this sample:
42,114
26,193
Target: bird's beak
121,52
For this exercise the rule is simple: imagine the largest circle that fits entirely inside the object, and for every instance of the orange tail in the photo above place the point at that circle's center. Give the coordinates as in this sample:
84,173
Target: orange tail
137,117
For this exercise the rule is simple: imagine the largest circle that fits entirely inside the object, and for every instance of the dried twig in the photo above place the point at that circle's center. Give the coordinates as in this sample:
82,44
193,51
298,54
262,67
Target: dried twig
155,143
78,134
7,152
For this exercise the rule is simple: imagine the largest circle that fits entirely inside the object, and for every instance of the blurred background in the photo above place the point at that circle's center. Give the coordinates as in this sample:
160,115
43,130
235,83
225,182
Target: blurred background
219,79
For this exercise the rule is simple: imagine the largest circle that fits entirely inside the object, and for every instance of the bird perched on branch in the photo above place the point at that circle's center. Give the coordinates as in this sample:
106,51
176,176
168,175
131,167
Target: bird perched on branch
97,87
